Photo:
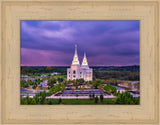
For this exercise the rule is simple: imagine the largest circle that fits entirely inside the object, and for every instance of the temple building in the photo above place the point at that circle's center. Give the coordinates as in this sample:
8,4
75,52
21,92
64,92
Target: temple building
77,71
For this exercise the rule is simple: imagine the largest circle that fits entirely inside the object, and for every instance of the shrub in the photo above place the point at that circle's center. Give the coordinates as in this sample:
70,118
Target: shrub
60,100
90,96
77,96
96,99
93,95
49,102
33,102
101,98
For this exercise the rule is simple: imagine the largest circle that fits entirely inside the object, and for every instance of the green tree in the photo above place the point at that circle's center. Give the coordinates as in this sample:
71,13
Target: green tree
26,101
101,97
95,84
33,102
60,79
93,96
51,91
58,88
88,83
81,80
90,96
48,69
23,81
77,95
126,98
51,82
96,99
49,102
60,101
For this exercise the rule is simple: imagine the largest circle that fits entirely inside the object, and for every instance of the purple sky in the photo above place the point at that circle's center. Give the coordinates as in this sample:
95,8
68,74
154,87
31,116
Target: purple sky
106,43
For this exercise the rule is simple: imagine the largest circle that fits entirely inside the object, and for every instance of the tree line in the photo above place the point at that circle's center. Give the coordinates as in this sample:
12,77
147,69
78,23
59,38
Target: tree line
38,71
120,75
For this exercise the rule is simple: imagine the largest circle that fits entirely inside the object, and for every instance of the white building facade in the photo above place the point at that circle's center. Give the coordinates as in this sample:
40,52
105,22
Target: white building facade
77,71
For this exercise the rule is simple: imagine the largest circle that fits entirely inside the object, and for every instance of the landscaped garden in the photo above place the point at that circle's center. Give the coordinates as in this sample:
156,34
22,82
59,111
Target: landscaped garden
48,86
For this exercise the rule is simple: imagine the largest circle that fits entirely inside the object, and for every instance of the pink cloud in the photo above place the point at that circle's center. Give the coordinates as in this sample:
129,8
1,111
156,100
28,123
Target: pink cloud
32,57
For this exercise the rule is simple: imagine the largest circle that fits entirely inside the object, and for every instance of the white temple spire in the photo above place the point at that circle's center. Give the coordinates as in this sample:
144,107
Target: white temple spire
75,59
77,71
84,62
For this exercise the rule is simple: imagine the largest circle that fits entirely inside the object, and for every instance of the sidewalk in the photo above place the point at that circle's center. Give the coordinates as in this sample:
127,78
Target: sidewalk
74,97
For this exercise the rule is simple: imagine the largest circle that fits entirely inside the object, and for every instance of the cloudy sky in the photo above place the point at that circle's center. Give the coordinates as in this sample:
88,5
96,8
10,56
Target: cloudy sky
106,43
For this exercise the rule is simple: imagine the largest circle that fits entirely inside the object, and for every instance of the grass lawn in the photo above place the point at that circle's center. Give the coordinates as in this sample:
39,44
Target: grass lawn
60,76
82,101
106,101
124,87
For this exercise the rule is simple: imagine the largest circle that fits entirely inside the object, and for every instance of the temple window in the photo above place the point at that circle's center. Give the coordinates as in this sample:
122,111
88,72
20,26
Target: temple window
74,72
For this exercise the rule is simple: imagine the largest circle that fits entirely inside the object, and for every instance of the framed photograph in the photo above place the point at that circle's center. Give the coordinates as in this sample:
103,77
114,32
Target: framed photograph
106,73
79,62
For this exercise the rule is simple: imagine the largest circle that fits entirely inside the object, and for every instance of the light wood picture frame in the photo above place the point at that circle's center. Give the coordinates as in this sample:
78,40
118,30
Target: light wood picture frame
147,11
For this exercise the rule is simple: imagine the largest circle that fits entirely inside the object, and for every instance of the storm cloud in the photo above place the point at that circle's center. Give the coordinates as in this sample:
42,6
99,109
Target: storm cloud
106,43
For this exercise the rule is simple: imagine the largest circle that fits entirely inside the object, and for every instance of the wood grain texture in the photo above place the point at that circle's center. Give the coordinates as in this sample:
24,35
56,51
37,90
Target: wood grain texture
0,66
145,11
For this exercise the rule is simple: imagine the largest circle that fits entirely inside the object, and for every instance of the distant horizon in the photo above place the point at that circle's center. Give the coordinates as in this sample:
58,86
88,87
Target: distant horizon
90,66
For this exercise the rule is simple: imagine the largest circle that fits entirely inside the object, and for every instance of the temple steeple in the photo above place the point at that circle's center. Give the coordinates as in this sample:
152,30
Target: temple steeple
75,59
77,71
84,62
